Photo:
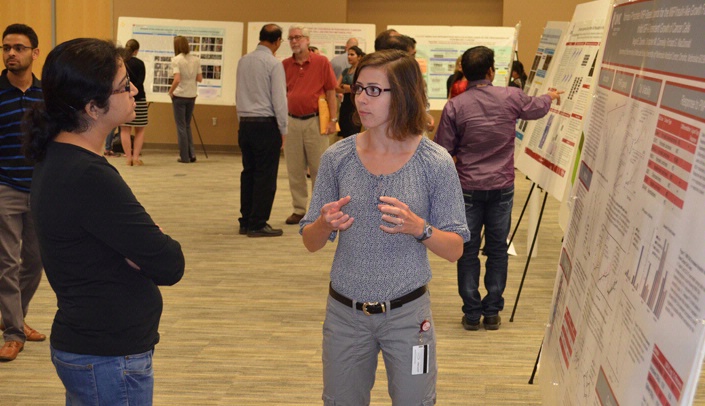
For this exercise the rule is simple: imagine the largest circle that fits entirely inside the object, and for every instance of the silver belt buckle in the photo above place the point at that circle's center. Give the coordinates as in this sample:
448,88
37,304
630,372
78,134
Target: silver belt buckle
364,307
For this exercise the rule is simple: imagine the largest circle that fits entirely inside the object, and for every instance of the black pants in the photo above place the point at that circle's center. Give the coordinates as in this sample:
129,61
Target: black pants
260,142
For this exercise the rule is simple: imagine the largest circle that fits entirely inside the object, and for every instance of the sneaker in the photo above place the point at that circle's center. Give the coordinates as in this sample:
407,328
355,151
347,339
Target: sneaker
266,231
470,326
492,322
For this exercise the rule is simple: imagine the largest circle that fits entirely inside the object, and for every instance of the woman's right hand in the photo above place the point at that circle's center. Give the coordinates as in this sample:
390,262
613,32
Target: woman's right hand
333,217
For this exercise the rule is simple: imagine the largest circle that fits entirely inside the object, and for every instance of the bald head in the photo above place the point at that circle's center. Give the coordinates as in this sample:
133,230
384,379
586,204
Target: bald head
352,42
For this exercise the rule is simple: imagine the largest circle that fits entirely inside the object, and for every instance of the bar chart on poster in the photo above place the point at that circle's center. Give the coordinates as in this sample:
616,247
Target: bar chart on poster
218,44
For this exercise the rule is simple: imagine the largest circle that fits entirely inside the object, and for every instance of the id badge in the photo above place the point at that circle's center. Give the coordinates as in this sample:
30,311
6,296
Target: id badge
420,359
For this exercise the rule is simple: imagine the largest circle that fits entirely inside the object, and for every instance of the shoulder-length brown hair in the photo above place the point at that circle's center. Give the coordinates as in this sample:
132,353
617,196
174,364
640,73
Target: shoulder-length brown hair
181,45
407,111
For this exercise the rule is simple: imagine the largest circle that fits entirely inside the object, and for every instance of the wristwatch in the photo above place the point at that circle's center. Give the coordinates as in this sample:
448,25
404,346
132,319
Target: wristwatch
427,231
335,120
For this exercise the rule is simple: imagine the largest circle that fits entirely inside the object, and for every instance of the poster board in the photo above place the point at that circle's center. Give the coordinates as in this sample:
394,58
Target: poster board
627,321
549,145
550,45
438,47
217,43
329,38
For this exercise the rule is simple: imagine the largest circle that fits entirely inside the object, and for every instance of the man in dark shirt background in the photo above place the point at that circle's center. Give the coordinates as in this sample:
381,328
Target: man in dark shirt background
20,261
477,128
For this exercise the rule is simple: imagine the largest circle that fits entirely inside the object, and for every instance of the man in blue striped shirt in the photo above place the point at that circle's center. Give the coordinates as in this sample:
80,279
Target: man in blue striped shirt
20,262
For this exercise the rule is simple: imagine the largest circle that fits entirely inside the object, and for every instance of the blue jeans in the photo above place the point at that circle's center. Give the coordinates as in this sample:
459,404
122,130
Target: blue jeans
183,112
100,380
493,210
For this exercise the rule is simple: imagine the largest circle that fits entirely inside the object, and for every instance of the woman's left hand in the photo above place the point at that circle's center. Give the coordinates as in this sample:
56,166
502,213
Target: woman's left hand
402,220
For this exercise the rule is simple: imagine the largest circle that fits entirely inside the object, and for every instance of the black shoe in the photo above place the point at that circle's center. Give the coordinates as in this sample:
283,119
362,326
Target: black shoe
193,159
266,231
182,162
243,231
467,325
492,322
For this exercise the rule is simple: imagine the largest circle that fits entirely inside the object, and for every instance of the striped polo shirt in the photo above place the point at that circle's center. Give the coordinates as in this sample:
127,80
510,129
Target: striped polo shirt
15,169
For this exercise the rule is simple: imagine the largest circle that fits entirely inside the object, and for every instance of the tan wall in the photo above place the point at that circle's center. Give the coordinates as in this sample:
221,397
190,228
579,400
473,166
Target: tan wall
424,12
83,18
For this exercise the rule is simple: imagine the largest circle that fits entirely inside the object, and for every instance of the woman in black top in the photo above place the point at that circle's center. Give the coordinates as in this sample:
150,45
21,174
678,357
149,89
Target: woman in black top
136,70
103,255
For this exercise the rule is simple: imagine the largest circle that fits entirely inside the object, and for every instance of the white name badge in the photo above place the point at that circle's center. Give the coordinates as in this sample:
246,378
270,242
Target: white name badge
420,359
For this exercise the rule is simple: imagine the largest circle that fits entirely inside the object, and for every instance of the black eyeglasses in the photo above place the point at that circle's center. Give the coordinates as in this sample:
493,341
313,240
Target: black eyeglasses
126,88
295,37
372,91
19,48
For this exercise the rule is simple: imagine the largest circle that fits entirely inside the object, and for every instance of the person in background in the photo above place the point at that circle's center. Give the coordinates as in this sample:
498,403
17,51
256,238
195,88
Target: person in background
104,257
308,76
390,194
136,70
314,50
518,75
262,111
348,126
340,62
477,128
456,83
183,92
20,262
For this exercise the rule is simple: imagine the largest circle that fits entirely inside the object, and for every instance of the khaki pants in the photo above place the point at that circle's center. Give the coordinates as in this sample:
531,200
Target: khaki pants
303,149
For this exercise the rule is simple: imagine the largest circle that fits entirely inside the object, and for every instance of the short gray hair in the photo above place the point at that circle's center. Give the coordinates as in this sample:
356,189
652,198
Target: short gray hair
304,30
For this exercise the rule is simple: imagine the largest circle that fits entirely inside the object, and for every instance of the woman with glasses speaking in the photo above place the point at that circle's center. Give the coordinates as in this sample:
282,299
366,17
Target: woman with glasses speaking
388,194
103,255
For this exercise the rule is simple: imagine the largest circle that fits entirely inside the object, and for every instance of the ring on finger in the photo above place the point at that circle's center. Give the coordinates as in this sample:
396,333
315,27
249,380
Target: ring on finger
401,223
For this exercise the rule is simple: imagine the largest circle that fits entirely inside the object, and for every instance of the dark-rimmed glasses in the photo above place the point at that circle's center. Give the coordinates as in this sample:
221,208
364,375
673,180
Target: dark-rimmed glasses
126,88
372,91
19,48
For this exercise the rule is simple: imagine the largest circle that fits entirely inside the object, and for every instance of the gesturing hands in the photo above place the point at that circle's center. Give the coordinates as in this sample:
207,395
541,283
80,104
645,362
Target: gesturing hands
402,219
333,216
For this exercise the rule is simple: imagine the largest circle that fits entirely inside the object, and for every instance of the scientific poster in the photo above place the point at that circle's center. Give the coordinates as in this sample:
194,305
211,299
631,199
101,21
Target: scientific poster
217,43
438,47
549,47
549,144
627,324
329,38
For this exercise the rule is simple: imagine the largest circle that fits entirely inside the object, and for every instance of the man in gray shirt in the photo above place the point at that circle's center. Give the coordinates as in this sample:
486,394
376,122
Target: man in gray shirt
262,111
340,61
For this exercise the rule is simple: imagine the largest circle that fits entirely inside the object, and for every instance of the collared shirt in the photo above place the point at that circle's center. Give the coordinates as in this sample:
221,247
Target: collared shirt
306,82
261,87
15,169
188,67
477,127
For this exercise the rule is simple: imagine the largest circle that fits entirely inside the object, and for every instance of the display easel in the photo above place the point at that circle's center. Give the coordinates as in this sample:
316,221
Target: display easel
199,135
533,243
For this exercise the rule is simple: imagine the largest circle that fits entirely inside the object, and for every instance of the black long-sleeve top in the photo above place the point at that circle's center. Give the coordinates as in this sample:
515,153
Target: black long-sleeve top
135,67
88,221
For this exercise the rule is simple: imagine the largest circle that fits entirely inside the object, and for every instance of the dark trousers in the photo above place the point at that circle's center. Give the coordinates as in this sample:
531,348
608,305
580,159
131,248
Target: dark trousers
260,142
493,210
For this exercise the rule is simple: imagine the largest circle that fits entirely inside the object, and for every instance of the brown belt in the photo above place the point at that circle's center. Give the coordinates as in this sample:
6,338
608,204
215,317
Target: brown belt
376,307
